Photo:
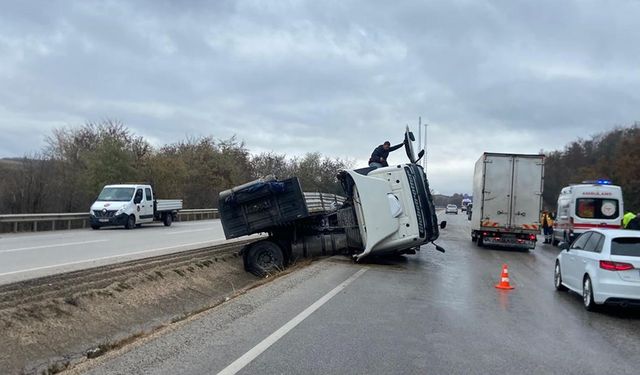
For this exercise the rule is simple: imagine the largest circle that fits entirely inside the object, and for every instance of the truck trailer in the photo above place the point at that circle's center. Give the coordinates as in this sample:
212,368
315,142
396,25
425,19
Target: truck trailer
507,194
384,211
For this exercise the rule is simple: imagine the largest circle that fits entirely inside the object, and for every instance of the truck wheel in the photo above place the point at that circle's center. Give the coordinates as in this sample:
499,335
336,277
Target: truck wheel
131,222
479,240
263,258
167,220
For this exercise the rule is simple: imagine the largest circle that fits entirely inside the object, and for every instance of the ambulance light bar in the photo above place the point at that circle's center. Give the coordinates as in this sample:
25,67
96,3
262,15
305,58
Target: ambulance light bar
598,182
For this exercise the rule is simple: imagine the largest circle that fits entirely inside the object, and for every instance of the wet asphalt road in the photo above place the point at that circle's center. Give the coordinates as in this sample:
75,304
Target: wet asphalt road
429,313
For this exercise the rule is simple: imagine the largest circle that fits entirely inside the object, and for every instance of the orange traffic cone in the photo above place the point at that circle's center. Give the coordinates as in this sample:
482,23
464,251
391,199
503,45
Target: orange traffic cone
504,279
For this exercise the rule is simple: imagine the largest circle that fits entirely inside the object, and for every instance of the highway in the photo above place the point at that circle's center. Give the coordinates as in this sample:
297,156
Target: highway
430,313
28,255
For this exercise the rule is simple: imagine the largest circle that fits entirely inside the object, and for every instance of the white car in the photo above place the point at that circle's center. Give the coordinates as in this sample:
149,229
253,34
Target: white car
603,265
451,208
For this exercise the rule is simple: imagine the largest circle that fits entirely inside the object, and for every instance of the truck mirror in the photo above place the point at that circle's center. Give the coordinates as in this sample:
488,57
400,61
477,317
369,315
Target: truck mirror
443,224
412,137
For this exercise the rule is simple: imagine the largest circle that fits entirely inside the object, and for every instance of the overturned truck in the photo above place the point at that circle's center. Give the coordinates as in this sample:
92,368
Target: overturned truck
384,211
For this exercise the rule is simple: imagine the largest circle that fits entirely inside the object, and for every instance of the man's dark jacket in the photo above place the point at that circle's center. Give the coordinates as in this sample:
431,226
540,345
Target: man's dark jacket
380,152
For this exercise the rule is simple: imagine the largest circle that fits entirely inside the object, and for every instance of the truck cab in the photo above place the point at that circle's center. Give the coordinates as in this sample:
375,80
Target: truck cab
130,205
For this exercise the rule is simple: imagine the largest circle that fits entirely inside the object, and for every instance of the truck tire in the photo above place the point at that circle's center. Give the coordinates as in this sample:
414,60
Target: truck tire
263,258
479,240
131,222
167,219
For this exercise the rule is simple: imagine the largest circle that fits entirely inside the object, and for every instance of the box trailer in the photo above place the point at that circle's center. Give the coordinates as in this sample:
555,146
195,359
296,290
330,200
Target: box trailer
507,191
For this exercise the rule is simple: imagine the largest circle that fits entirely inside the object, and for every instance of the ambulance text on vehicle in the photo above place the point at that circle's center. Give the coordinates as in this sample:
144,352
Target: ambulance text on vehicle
592,204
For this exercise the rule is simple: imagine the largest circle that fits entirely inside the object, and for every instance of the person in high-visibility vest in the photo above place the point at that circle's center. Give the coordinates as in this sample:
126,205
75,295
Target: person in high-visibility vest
547,226
627,218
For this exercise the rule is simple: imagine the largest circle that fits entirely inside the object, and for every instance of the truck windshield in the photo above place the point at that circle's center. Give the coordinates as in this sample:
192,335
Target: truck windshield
597,208
117,194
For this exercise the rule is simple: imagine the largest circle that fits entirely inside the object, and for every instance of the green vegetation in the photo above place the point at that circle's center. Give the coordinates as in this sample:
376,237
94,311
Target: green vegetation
611,155
77,161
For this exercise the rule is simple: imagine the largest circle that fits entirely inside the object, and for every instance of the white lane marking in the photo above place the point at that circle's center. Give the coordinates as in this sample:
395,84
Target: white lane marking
52,245
189,231
211,242
252,354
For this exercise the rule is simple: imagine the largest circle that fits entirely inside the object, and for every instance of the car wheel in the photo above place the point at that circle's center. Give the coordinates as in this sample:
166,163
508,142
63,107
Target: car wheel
554,242
95,227
557,278
587,295
263,258
131,222
168,219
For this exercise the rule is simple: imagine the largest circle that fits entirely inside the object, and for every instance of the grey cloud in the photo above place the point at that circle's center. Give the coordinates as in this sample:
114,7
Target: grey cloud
335,77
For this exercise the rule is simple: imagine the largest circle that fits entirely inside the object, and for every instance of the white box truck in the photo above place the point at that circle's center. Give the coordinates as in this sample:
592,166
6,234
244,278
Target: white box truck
131,205
507,194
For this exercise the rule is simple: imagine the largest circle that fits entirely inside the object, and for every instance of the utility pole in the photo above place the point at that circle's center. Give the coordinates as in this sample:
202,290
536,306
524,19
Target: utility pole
419,133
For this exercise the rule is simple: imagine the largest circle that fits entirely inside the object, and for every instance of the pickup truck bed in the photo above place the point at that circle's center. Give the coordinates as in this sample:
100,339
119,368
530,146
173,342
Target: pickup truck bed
168,204
265,204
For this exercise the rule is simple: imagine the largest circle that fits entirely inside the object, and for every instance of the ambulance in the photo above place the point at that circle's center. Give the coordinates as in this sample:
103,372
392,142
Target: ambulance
591,204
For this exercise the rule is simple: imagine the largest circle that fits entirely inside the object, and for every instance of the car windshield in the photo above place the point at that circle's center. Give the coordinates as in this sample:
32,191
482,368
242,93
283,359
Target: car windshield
597,208
118,194
627,246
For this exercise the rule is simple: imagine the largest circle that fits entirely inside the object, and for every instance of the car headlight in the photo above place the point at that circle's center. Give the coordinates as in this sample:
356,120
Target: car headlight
91,213
120,211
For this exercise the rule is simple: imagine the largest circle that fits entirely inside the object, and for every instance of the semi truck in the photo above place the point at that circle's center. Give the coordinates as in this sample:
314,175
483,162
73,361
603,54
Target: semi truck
383,211
507,191
131,205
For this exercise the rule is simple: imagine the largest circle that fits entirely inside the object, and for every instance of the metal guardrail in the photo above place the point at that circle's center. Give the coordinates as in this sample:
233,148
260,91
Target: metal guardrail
53,221
316,202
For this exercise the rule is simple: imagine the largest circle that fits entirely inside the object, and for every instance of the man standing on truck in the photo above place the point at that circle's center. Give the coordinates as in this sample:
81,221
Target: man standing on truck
547,226
379,156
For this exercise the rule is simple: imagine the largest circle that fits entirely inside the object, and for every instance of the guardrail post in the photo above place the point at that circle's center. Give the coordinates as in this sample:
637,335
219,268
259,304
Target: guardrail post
15,227
35,226
84,223
69,224
53,225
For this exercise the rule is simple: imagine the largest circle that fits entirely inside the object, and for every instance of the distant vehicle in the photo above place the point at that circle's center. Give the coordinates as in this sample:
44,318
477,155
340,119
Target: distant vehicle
507,195
451,209
591,204
465,203
601,265
131,205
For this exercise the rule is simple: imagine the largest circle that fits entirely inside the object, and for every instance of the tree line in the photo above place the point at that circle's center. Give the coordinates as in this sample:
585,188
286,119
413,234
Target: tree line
76,162
68,174
609,155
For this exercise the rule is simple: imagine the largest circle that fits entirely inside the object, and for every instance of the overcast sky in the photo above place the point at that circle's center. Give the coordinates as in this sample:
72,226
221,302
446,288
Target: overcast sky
338,77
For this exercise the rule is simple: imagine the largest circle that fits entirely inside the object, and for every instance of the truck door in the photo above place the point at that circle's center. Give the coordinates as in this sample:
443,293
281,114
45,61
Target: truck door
497,191
146,207
527,192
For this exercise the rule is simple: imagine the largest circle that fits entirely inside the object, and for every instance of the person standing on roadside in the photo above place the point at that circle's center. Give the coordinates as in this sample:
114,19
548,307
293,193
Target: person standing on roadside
379,156
547,226
627,218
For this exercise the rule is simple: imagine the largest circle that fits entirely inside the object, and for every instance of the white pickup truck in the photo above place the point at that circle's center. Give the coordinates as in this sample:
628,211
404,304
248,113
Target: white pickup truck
131,205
